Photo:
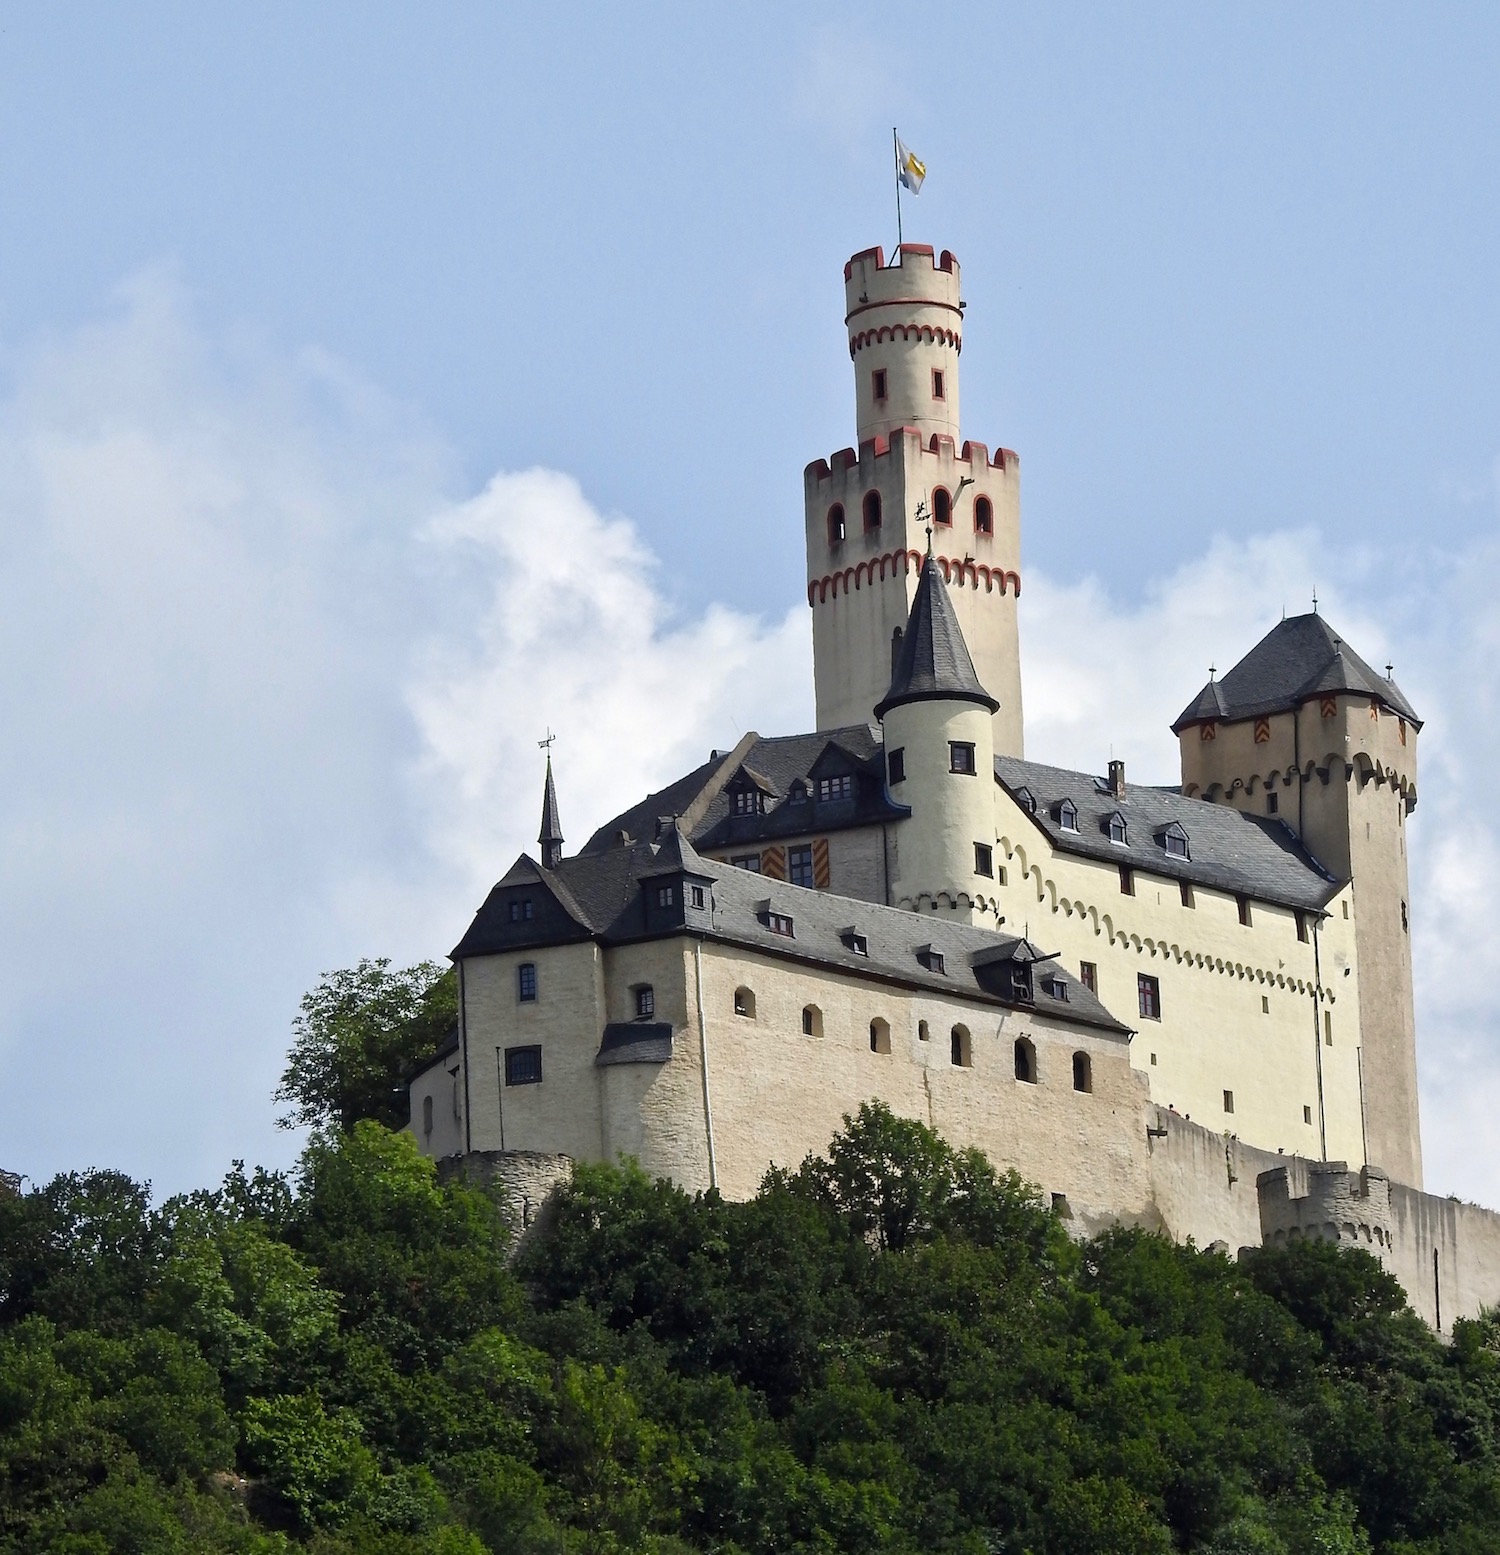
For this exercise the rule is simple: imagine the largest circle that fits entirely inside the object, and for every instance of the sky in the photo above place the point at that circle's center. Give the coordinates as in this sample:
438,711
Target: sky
382,387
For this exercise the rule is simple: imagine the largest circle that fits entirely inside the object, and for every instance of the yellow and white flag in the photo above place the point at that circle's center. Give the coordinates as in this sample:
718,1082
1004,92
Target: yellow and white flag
909,169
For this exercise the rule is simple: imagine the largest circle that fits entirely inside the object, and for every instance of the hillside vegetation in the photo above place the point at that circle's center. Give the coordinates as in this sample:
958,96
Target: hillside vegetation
894,1348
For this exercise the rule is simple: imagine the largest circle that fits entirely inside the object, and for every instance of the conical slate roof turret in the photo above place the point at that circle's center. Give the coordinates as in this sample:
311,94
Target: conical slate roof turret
551,837
933,662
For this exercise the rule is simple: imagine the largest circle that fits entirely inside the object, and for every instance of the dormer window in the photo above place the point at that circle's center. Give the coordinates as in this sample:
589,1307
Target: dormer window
1174,841
666,896
777,922
1027,800
855,942
932,959
1067,815
797,793
832,788
1055,988
748,801
520,910
1116,829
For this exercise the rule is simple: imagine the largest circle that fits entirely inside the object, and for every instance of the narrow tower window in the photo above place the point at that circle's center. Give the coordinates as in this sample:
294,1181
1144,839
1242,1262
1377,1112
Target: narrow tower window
959,1047
937,384
1025,1062
836,524
1083,1072
872,511
877,384
961,757
942,507
984,516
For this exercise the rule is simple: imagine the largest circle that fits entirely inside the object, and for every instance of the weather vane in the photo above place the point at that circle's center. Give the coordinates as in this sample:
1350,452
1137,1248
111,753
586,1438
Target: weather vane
546,744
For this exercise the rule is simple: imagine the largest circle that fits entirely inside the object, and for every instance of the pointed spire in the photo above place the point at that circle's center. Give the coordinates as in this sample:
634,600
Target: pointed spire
551,837
933,663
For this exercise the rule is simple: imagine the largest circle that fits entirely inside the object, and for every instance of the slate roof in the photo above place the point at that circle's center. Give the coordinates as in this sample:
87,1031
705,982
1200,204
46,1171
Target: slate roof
607,903
550,836
773,765
1299,658
933,662
635,1042
1247,855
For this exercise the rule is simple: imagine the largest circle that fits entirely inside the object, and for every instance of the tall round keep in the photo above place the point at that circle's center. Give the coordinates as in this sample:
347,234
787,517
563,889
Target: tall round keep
905,332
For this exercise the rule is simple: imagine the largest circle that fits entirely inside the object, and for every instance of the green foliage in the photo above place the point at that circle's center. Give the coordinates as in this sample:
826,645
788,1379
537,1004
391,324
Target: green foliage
894,1348
360,1034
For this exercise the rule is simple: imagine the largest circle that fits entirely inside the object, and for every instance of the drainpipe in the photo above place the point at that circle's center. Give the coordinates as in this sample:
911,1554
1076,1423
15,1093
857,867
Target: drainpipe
463,1048
1318,1037
708,1110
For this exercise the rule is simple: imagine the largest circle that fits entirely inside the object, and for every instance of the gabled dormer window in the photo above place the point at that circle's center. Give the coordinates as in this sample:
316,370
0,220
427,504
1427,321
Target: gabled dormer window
1116,829
1027,800
1174,841
797,793
840,786
1055,988
776,922
1067,815
855,941
748,801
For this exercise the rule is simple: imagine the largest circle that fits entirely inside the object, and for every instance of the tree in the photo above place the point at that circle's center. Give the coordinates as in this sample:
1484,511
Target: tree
360,1034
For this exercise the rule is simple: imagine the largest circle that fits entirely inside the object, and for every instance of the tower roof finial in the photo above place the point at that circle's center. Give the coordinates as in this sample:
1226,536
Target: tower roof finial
550,836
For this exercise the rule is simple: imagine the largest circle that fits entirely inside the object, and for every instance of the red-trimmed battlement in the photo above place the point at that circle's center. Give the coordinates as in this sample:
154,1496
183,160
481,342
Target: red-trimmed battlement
898,564
877,448
929,332
944,261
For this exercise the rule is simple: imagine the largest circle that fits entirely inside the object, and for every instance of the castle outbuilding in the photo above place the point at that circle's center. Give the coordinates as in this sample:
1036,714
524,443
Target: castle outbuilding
1183,1007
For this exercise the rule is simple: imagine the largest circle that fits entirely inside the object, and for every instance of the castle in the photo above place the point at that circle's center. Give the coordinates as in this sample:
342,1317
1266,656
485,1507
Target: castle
1188,1008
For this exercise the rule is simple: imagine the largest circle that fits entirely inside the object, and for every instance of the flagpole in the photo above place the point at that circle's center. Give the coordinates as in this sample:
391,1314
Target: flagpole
896,154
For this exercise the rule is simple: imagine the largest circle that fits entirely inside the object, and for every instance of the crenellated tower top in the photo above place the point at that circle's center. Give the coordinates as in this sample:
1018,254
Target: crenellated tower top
905,325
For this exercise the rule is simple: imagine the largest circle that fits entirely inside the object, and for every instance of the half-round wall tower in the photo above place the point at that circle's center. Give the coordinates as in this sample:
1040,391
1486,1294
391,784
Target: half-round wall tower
868,510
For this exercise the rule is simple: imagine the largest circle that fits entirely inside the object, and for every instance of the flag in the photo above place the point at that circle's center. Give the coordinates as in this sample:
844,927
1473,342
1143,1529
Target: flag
909,170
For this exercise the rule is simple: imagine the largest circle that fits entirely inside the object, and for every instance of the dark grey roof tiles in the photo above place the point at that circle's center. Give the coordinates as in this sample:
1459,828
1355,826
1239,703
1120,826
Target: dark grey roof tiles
933,662
635,1042
550,837
1245,855
1299,658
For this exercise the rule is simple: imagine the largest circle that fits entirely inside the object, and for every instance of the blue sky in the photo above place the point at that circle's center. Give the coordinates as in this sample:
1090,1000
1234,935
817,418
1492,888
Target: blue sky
292,298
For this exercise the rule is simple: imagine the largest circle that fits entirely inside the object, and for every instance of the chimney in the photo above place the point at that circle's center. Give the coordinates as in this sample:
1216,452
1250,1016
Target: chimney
1117,779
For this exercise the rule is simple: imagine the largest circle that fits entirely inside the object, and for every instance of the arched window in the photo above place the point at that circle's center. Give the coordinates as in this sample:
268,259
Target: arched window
923,1034
880,1036
812,1021
1083,1072
744,1003
872,511
942,507
1025,1061
427,1116
959,1048
984,516
836,524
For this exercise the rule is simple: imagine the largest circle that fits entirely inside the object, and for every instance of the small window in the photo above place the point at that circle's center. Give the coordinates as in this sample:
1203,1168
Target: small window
526,982
521,911
877,383
1272,803
1244,906
961,758
880,1036
856,942
1404,923
931,959
1148,996
779,923
645,1002
666,895
1127,880
812,1021
1083,1072
984,516
1175,841
1025,1062
872,511
1265,1004
427,1116
1088,975
1307,1114
1346,909
833,788
744,1003
958,1048
1186,888
1153,1060
942,506
896,766
1117,831
797,793
695,894
1067,815
523,1065
1302,927
984,859
1327,1028
799,866
1055,988
747,801
1229,1101
923,1034
750,862
836,524
937,383
1027,800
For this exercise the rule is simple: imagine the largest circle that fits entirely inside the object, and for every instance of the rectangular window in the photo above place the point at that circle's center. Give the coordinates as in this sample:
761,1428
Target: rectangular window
1088,975
746,801
697,895
1271,804
520,911
896,765
1302,927
665,895
858,944
799,866
984,859
1307,1114
747,861
1265,1004
831,788
1127,880
1244,905
933,960
645,1002
1148,995
779,923
1327,1028
961,757
937,383
526,982
1229,1101
1186,887
877,383
523,1065
1153,1060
